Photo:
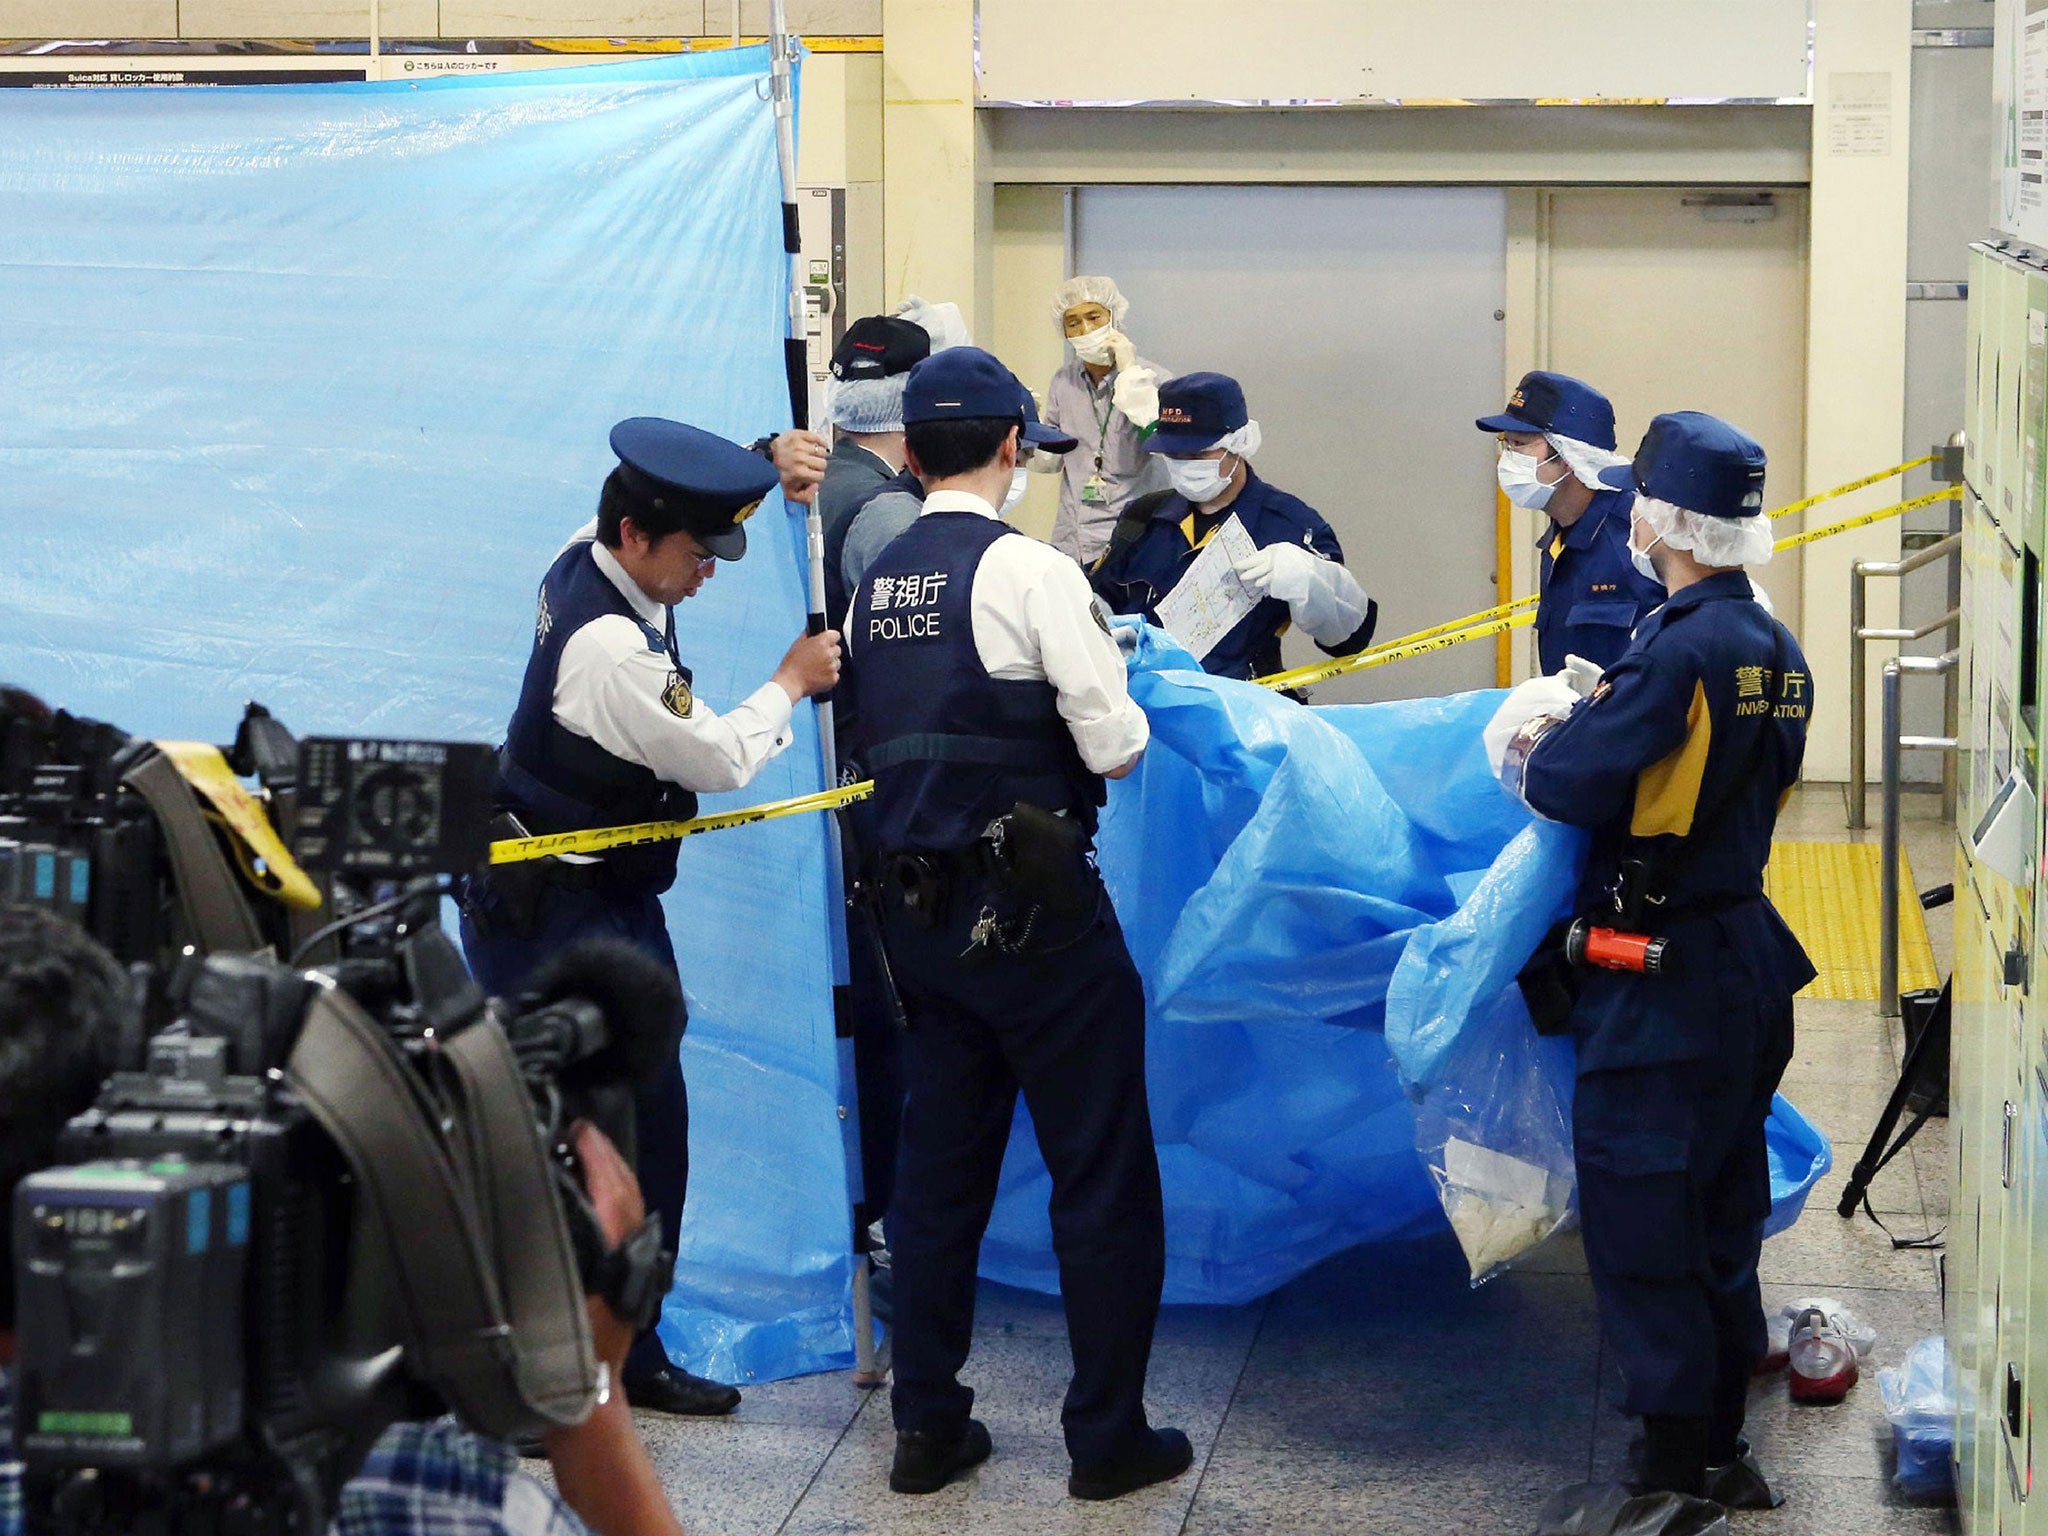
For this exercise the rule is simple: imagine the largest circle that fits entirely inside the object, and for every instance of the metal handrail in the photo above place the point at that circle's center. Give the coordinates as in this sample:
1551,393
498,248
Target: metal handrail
1913,634
1888,838
1860,633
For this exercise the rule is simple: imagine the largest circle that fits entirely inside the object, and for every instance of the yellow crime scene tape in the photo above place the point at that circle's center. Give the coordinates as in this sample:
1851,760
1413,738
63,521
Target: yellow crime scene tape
1948,493
1476,626
516,850
1493,621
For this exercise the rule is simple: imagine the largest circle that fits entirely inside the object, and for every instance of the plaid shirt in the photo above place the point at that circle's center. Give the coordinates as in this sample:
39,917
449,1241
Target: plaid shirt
421,1480
438,1479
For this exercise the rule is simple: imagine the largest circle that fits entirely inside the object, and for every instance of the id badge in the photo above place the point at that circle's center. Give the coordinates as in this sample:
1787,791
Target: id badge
1093,491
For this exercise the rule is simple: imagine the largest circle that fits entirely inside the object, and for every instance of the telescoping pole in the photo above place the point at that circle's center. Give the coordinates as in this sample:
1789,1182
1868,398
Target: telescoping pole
796,365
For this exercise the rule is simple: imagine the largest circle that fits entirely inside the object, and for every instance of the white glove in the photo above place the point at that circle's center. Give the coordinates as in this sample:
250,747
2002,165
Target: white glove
1321,596
1285,571
1539,697
1125,629
1582,675
1135,392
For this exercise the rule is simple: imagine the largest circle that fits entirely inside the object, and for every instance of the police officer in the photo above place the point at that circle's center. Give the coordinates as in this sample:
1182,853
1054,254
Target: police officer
1556,438
993,704
608,731
865,403
1296,572
1677,762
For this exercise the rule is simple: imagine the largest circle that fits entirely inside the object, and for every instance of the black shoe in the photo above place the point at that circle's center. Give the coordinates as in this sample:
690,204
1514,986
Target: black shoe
1741,1483
1163,1456
675,1390
926,1463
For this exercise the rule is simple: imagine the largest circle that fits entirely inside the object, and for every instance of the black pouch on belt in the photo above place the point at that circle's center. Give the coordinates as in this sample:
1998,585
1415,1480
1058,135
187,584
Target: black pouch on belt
1043,860
506,898
1550,983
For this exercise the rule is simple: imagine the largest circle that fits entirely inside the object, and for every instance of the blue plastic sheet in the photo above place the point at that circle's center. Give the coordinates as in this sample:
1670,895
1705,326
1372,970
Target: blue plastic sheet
306,385
1315,896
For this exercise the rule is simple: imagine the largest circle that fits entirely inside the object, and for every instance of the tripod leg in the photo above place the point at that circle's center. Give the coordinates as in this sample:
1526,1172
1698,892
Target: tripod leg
1875,1153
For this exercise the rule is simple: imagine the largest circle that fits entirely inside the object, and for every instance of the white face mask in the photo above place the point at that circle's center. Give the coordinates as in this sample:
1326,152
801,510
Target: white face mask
1020,478
1640,558
1517,475
1093,346
1200,480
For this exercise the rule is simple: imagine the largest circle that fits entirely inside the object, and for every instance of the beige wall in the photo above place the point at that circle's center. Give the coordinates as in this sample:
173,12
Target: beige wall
1030,261
1855,340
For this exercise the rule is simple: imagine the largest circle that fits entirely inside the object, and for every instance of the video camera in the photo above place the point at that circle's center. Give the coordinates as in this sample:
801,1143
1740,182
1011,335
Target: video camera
310,1202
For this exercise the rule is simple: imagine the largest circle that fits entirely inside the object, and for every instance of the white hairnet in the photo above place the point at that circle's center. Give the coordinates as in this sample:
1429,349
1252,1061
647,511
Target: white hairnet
942,322
1091,290
866,405
1584,460
1244,442
1715,541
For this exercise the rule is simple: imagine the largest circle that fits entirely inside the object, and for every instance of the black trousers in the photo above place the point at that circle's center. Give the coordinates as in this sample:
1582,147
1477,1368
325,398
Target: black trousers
1066,1027
502,961
1674,1187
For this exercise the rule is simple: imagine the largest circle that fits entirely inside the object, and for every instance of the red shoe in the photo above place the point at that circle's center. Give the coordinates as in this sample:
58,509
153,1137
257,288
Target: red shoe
1823,1361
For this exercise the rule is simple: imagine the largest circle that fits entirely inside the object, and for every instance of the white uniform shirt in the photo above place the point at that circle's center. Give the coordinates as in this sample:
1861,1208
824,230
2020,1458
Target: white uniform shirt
1034,619
611,688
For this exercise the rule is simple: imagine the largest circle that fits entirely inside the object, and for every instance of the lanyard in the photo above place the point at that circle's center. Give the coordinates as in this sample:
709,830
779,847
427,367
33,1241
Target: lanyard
1102,417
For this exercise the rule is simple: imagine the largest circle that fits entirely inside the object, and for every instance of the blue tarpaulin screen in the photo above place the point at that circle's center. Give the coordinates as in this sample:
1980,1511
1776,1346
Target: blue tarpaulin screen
305,386
1329,906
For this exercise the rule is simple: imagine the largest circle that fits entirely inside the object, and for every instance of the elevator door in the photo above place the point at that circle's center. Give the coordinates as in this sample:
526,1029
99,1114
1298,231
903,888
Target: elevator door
1364,324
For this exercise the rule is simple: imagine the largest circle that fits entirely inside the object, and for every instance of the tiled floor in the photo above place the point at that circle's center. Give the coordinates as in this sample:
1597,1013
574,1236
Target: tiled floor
1378,1394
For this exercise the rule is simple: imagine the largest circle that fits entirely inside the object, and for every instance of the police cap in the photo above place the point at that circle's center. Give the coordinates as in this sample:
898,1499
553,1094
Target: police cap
674,476
1196,412
1698,462
963,383
1556,403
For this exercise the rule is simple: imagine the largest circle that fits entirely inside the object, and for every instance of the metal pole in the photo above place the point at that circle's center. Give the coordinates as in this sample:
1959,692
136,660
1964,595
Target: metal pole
782,84
1858,741
1888,853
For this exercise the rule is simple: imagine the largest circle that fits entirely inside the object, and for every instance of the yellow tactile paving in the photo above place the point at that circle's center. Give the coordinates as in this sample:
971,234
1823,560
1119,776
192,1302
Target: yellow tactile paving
1828,893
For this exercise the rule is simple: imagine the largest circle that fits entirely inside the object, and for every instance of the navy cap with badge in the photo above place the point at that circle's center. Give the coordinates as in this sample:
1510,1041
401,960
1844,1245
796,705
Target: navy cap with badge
1698,462
1556,403
880,347
681,477
1196,412
964,383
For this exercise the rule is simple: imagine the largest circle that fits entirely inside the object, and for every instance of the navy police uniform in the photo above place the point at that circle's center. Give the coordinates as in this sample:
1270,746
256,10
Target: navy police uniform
1679,762
1591,595
986,686
553,778
1159,535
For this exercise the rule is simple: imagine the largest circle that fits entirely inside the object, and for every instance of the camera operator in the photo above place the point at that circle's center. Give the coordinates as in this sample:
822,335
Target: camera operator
438,1479
63,1003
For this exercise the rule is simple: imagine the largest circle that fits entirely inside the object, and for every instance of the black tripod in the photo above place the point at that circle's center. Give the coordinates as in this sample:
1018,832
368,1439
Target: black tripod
1922,1075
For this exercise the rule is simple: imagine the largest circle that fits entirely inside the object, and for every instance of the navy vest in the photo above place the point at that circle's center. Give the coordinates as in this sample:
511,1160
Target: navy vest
558,781
950,747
